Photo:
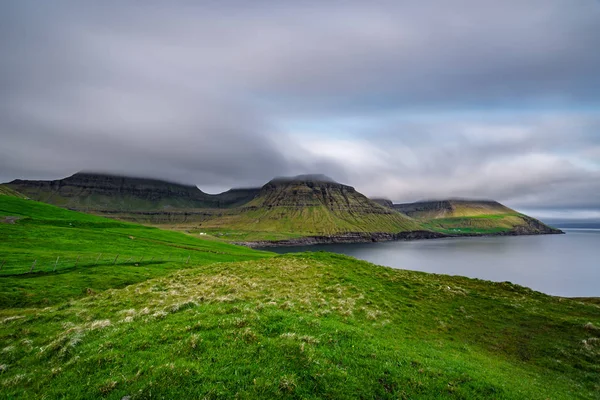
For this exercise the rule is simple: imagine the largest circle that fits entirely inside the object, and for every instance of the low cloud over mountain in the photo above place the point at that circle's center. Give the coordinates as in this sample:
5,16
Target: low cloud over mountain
406,100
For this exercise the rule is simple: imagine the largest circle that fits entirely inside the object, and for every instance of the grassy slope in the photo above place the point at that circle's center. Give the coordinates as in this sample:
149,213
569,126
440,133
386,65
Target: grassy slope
483,224
472,218
87,246
294,326
304,326
314,220
295,209
6,191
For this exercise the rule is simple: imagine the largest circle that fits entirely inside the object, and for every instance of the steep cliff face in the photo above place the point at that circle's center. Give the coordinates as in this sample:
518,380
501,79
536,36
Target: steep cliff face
383,202
300,193
472,217
452,208
101,192
311,205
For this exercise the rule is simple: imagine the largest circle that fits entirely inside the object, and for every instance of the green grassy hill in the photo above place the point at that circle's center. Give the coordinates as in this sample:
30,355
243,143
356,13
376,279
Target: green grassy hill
237,323
88,247
288,208
456,217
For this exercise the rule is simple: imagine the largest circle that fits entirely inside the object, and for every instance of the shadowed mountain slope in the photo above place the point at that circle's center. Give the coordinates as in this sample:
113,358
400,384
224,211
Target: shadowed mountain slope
101,192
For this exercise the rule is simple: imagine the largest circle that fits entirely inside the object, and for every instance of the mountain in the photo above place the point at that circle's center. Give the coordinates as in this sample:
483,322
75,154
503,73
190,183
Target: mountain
313,205
383,202
112,193
286,208
462,216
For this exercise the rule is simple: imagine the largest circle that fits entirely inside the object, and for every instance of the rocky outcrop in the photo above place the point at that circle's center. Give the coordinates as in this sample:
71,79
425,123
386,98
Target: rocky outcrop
308,191
383,202
350,237
534,227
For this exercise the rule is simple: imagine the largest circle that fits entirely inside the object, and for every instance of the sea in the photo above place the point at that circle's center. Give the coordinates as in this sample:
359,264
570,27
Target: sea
561,265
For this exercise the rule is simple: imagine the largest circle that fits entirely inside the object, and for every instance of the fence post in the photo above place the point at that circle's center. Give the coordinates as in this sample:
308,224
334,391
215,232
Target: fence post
56,263
76,261
33,265
141,259
114,262
99,255
188,260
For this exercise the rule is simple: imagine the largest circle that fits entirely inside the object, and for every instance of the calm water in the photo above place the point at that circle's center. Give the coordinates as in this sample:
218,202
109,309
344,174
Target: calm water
562,265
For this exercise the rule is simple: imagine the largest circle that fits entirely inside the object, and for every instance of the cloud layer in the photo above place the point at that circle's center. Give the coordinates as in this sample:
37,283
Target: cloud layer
407,100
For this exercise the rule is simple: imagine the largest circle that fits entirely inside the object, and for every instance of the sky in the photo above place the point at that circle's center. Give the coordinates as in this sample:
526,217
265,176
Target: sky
406,100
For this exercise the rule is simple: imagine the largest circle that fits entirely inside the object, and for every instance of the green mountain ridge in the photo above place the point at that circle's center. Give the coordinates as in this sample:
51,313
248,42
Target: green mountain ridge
465,216
284,210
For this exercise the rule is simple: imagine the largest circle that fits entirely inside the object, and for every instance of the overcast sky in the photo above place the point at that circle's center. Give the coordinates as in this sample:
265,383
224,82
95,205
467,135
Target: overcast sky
402,99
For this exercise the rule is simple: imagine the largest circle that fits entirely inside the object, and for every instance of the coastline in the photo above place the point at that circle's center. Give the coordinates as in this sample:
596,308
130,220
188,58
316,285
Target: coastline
361,237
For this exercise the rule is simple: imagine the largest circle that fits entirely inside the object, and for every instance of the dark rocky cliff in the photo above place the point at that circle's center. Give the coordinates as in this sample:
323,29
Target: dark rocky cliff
103,192
383,202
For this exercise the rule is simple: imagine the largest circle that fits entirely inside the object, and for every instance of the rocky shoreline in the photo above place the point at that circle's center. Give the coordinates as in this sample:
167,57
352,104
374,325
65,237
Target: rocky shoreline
359,237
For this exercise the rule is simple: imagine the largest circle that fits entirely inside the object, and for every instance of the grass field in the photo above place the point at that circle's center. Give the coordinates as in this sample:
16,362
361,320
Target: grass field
88,246
237,323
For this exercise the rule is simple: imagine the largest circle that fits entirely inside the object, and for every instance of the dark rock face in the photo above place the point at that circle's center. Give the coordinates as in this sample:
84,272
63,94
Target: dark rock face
446,206
90,191
384,202
236,197
350,237
305,191
413,209
534,227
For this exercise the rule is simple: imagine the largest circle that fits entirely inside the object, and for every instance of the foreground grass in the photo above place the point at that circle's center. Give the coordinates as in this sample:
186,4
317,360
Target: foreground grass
237,323
84,250
304,326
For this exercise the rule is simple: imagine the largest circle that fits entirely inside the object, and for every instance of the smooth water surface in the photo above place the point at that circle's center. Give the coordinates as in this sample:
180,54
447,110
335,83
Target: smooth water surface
562,265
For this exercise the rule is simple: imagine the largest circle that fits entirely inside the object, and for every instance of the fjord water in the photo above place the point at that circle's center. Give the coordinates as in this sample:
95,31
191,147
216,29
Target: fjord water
562,265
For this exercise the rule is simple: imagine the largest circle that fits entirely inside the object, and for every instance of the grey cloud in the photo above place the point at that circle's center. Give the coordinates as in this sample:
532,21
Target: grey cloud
205,92
543,161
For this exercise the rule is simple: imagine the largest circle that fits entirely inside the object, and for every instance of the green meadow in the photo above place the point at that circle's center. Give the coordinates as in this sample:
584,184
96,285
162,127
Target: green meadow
76,253
187,317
